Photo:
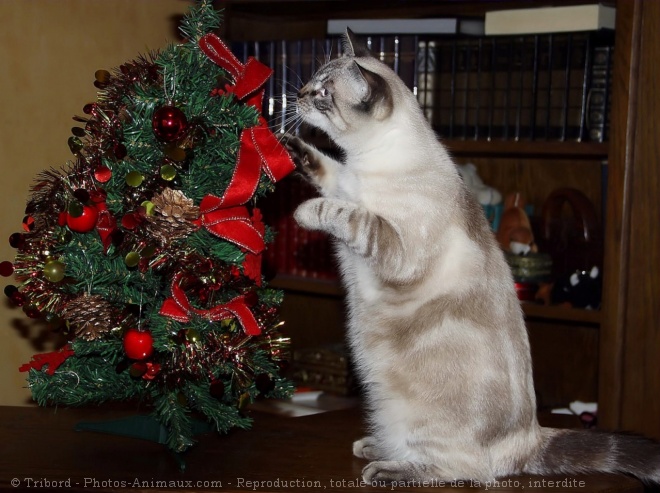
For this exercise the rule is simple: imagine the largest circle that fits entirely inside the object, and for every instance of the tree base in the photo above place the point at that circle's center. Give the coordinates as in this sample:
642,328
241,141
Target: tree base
144,427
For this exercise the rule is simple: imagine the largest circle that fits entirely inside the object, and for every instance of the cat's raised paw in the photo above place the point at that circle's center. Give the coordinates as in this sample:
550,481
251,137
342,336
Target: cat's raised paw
308,213
366,448
296,149
303,156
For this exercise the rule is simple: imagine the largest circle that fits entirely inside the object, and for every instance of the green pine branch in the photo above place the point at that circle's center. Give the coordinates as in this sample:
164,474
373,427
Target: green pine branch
201,19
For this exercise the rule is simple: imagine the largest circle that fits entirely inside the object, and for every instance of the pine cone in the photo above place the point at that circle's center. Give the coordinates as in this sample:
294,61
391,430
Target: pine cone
90,316
173,213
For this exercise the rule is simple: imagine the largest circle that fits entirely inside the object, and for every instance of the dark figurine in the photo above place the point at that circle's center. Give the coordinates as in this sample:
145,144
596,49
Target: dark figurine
581,289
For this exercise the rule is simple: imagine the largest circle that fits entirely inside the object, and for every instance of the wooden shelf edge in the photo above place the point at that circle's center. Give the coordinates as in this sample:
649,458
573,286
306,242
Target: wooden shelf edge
532,310
332,287
585,150
324,287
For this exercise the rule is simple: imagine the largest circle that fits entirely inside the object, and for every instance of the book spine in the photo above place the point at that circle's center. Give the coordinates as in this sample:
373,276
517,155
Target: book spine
453,88
511,93
478,89
598,99
567,84
494,91
534,89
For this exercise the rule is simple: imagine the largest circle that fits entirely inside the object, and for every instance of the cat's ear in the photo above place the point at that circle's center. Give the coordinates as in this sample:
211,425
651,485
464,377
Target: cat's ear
352,46
373,90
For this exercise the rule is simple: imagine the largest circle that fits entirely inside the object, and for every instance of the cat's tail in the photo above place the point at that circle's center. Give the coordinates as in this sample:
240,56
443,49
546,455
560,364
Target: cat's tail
584,451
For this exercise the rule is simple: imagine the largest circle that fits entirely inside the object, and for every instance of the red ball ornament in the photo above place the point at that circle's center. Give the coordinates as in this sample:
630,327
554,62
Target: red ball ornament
102,174
85,222
6,268
169,123
138,344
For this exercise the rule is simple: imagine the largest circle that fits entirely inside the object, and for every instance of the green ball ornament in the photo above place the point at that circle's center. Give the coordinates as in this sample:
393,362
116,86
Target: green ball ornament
175,153
148,251
54,271
132,259
75,209
193,336
134,179
64,236
167,172
149,207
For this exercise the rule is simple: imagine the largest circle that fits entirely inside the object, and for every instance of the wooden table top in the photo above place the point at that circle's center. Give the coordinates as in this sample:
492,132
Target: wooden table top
40,449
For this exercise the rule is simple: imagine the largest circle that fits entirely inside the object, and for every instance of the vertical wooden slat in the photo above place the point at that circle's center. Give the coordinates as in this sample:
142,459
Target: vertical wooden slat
617,231
640,397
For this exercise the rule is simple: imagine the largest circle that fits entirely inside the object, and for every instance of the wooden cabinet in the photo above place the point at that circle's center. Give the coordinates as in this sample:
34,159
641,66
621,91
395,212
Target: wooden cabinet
629,376
612,355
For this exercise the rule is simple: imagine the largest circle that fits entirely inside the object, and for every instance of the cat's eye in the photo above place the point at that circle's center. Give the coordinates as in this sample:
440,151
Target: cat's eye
323,92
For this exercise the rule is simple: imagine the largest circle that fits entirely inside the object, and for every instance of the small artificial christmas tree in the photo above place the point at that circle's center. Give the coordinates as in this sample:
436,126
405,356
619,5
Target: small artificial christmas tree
147,247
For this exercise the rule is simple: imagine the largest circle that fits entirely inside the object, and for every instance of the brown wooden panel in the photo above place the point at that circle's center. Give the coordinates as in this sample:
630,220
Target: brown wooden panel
312,320
565,359
626,58
640,400
630,344
537,178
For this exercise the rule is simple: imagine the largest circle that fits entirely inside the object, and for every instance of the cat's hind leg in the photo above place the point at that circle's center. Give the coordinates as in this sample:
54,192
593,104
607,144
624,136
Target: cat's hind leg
366,448
398,471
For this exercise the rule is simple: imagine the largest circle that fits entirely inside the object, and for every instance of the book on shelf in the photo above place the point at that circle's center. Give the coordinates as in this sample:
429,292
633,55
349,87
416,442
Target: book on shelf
541,20
544,86
538,87
598,99
444,25
551,87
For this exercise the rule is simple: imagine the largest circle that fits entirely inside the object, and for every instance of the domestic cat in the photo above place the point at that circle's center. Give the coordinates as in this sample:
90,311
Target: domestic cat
435,327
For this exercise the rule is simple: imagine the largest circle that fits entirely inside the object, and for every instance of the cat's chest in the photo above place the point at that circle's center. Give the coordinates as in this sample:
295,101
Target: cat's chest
350,186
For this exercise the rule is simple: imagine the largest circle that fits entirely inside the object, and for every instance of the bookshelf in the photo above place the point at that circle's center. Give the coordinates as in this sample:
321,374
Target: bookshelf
609,355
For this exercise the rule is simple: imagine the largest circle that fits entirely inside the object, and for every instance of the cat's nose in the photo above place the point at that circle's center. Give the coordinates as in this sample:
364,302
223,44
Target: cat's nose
303,91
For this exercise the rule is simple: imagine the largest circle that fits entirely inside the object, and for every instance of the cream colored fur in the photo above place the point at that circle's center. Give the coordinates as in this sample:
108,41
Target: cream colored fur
435,326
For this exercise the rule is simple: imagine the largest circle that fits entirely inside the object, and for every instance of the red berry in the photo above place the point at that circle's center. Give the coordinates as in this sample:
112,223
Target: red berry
85,222
138,345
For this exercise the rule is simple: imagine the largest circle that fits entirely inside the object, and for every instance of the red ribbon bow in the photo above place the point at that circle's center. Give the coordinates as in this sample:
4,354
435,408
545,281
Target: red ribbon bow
230,223
259,148
53,360
248,79
179,308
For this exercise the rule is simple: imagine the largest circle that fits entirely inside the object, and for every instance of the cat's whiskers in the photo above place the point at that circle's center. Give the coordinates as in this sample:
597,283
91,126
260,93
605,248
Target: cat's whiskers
284,114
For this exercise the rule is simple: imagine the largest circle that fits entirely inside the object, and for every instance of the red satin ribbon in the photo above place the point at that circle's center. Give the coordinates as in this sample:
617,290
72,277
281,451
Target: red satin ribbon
53,360
106,223
233,224
179,308
248,78
259,149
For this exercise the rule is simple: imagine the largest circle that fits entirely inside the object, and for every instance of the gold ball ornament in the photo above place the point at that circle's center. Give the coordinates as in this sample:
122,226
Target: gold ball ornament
54,271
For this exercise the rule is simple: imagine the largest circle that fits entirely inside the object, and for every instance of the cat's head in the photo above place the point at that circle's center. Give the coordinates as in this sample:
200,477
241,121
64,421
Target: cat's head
349,93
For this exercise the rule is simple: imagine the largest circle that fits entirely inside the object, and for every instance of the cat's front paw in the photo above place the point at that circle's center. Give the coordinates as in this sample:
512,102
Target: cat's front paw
308,214
296,148
302,155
